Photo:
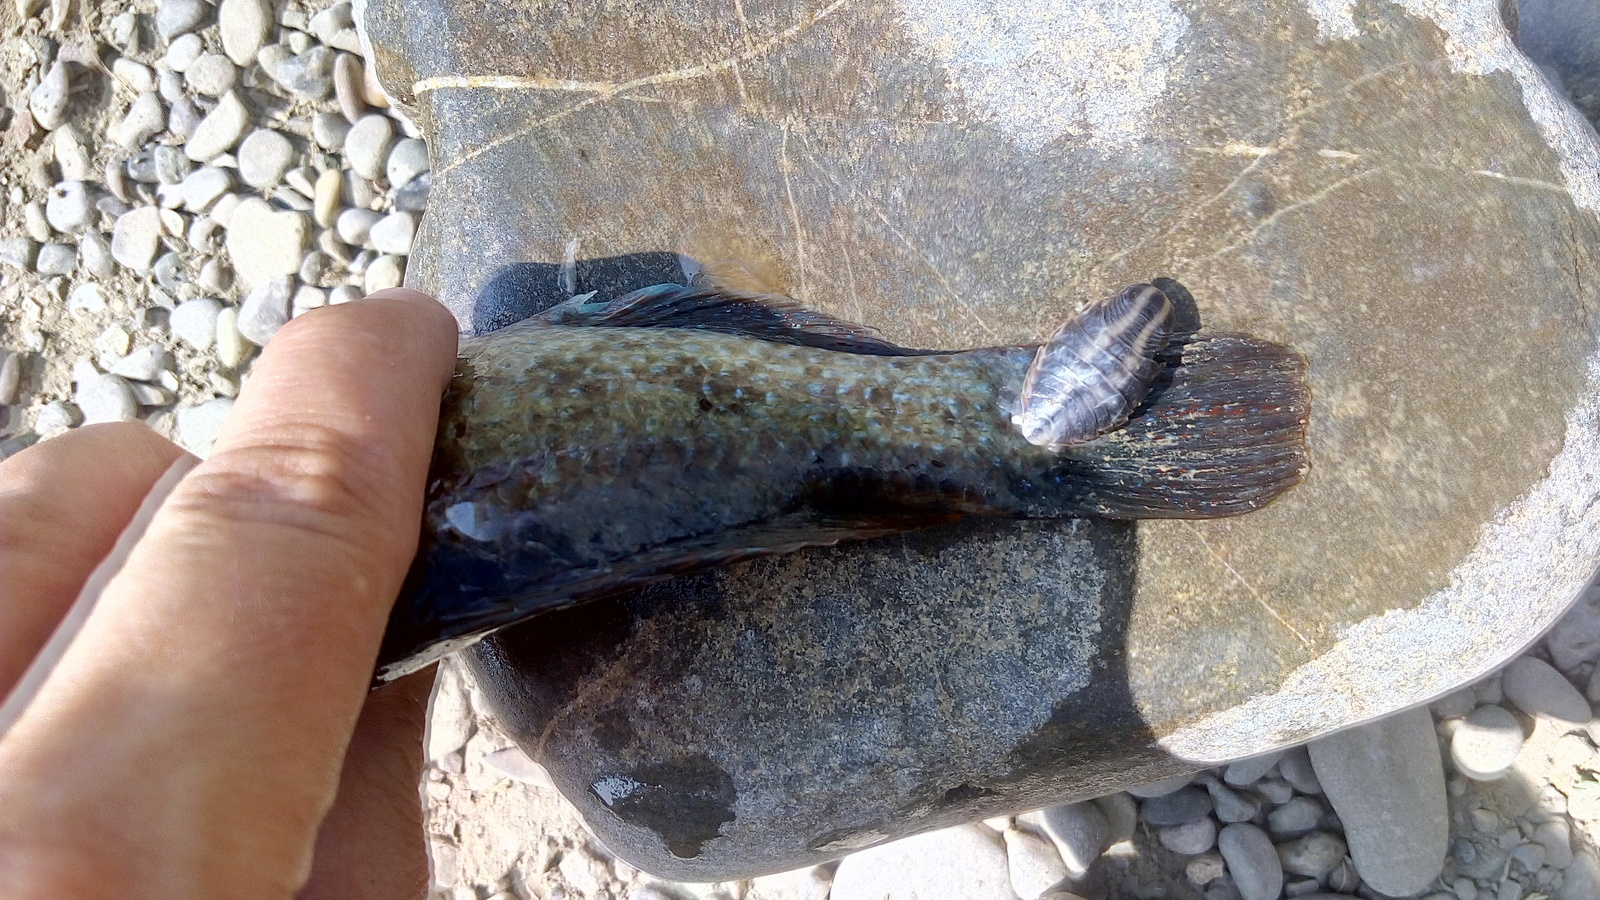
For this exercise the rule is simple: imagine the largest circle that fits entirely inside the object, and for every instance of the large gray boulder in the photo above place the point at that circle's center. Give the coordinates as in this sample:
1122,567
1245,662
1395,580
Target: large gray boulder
1392,189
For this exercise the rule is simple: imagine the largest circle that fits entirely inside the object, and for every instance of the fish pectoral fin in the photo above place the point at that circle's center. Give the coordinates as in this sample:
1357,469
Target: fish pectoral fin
765,317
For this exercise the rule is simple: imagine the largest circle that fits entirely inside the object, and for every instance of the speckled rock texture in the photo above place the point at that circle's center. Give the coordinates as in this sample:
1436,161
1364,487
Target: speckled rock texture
1392,189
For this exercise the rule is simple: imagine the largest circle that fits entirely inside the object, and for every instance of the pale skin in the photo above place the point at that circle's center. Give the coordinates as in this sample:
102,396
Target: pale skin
210,732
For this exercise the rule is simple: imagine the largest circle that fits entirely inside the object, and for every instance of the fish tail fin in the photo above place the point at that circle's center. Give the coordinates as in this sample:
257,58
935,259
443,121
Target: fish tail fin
1222,432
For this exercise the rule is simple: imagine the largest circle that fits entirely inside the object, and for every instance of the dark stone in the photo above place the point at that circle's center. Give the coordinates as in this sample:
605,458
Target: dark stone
1181,806
1410,207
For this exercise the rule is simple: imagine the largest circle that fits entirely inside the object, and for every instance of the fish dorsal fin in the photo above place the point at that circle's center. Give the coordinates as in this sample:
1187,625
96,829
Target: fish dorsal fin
765,317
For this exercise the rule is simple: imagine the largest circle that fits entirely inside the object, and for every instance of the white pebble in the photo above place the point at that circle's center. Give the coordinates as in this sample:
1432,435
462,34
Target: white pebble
325,198
266,309
179,17
394,233
137,77
135,238
145,119
105,398
354,226
307,298
1034,865
385,272
245,26
54,418
220,130
968,862
11,378
86,298
204,186
367,145
329,131
344,293
232,347
1245,772
212,75
198,426
144,364
1252,861
70,207
1486,743
72,154
264,242
57,259
1538,689
264,157
49,100
1080,832
195,322
19,252
182,52
407,160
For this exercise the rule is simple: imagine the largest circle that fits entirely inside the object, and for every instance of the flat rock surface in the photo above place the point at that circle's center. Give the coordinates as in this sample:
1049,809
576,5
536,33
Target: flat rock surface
1367,187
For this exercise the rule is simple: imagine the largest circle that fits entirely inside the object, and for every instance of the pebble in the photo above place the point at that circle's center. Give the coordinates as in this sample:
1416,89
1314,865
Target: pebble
329,131
144,120
1244,772
968,861
347,87
414,196
307,298
1122,816
367,145
263,158
170,271
264,242
170,85
57,259
198,426
1538,689
212,75
1204,869
358,191
232,348
204,186
48,102
394,233
328,22
1183,805
354,226
135,238
1294,818
325,198
144,364
11,381
1556,838
183,119
1486,743
195,322
514,763
35,223
244,25
385,272
1230,805
180,17
172,167
266,309
215,276
220,130
19,252
303,180
407,160
70,207
182,53
1295,767
105,398
308,74
1252,861
1080,832
54,418
1190,838
344,293
1313,855
86,298
1034,865
72,154
1385,779
137,77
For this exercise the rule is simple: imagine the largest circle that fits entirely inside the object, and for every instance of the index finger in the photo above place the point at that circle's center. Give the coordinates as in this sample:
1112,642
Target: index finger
190,741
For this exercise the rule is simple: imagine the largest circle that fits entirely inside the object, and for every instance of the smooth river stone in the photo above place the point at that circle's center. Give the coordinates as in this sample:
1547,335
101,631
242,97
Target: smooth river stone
1364,183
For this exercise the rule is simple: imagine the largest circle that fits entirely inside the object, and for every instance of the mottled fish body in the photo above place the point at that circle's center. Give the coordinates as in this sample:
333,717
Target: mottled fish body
599,447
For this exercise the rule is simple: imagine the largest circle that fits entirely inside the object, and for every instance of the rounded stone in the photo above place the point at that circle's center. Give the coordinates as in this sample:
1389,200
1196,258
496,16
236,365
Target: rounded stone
264,157
179,17
265,310
1183,805
329,131
325,198
19,252
308,74
220,130
407,160
1539,690
135,238
1245,772
105,398
1486,743
94,254
968,862
198,426
394,233
367,145
1190,838
1034,864
1080,831
204,186
144,119
57,259
354,226
70,207
245,26
264,242
1296,817
414,196
11,381
386,271
48,101
232,347
1252,861
195,322
347,87
1313,855
212,75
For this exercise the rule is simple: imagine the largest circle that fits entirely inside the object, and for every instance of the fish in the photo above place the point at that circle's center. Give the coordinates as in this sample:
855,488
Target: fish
602,446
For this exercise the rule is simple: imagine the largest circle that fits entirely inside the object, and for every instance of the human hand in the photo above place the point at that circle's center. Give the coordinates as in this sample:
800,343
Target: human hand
209,731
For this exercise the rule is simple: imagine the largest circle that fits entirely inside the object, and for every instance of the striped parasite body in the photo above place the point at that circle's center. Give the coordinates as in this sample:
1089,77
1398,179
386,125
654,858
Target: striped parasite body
1096,369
